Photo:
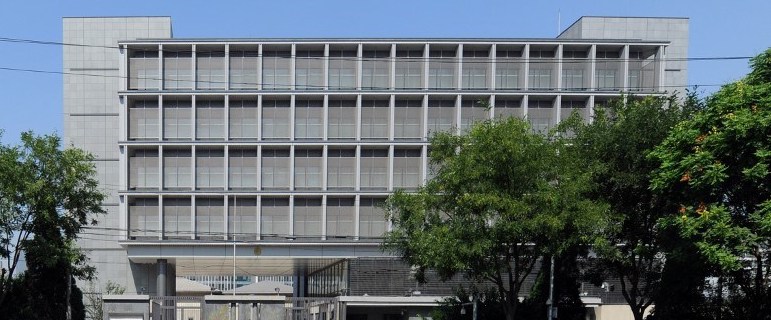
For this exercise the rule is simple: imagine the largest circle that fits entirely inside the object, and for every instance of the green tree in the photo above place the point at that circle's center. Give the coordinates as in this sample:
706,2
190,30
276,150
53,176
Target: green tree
717,166
47,195
615,146
502,198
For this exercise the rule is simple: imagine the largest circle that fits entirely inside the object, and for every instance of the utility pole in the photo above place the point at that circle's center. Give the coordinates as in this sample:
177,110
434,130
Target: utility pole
550,303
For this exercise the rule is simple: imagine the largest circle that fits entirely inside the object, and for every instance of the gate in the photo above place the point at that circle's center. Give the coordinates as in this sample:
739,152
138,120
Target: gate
176,308
310,309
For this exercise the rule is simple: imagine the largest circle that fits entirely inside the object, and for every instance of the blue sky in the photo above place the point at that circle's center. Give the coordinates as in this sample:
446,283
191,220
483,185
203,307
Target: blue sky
34,101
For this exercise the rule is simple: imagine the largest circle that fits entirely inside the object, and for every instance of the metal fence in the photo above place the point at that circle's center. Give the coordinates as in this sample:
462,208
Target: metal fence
197,308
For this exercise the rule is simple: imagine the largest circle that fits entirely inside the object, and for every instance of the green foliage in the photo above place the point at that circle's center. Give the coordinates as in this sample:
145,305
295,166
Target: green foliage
716,165
47,195
615,148
502,197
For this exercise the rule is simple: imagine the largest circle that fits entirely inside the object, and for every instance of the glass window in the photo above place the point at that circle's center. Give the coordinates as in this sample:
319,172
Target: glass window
340,217
177,171
177,70
342,69
143,169
606,79
407,168
307,217
375,119
177,222
177,119
342,119
542,65
244,73
608,66
372,220
309,119
409,69
508,107
341,168
243,168
441,115
472,111
209,218
442,67
507,69
209,168
573,79
376,70
143,70
476,67
243,119
374,169
275,169
570,105
274,222
210,119
540,78
275,119
540,113
276,70
408,119
307,168
143,218
309,70
210,70
143,119
242,218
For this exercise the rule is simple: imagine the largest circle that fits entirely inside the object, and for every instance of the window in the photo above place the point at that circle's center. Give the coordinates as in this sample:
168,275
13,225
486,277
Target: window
540,113
471,112
606,79
274,222
242,218
342,119
177,222
143,218
209,168
507,69
275,119
209,218
408,119
177,70
275,169
407,168
177,119
608,66
309,70
143,119
243,119
307,168
177,172
243,69
210,70
376,70
341,168
540,78
542,65
570,105
143,169
342,69
372,221
374,169
309,119
375,117
275,70
409,69
442,67
340,217
210,119
573,79
476,65
243,168
307,217
143,70
508,107
441,115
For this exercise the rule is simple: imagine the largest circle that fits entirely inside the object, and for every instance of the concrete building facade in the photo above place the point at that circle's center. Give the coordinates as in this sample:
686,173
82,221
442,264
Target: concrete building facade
269,157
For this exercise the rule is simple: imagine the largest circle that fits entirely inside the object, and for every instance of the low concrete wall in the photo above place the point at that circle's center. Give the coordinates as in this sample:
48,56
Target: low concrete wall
126,307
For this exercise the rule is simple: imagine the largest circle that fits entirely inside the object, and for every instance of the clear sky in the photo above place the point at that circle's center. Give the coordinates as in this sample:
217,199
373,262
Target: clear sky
34,101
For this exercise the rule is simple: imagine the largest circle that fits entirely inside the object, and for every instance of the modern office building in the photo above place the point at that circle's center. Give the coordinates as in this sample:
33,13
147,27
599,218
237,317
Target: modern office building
269,157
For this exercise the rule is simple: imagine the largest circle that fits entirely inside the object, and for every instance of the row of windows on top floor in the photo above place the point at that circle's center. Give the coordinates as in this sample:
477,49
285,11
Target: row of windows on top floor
274,70
276,169
246,119
204,218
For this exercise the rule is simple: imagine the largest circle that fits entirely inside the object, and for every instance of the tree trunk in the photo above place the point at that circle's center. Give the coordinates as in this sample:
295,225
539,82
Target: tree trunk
638,313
